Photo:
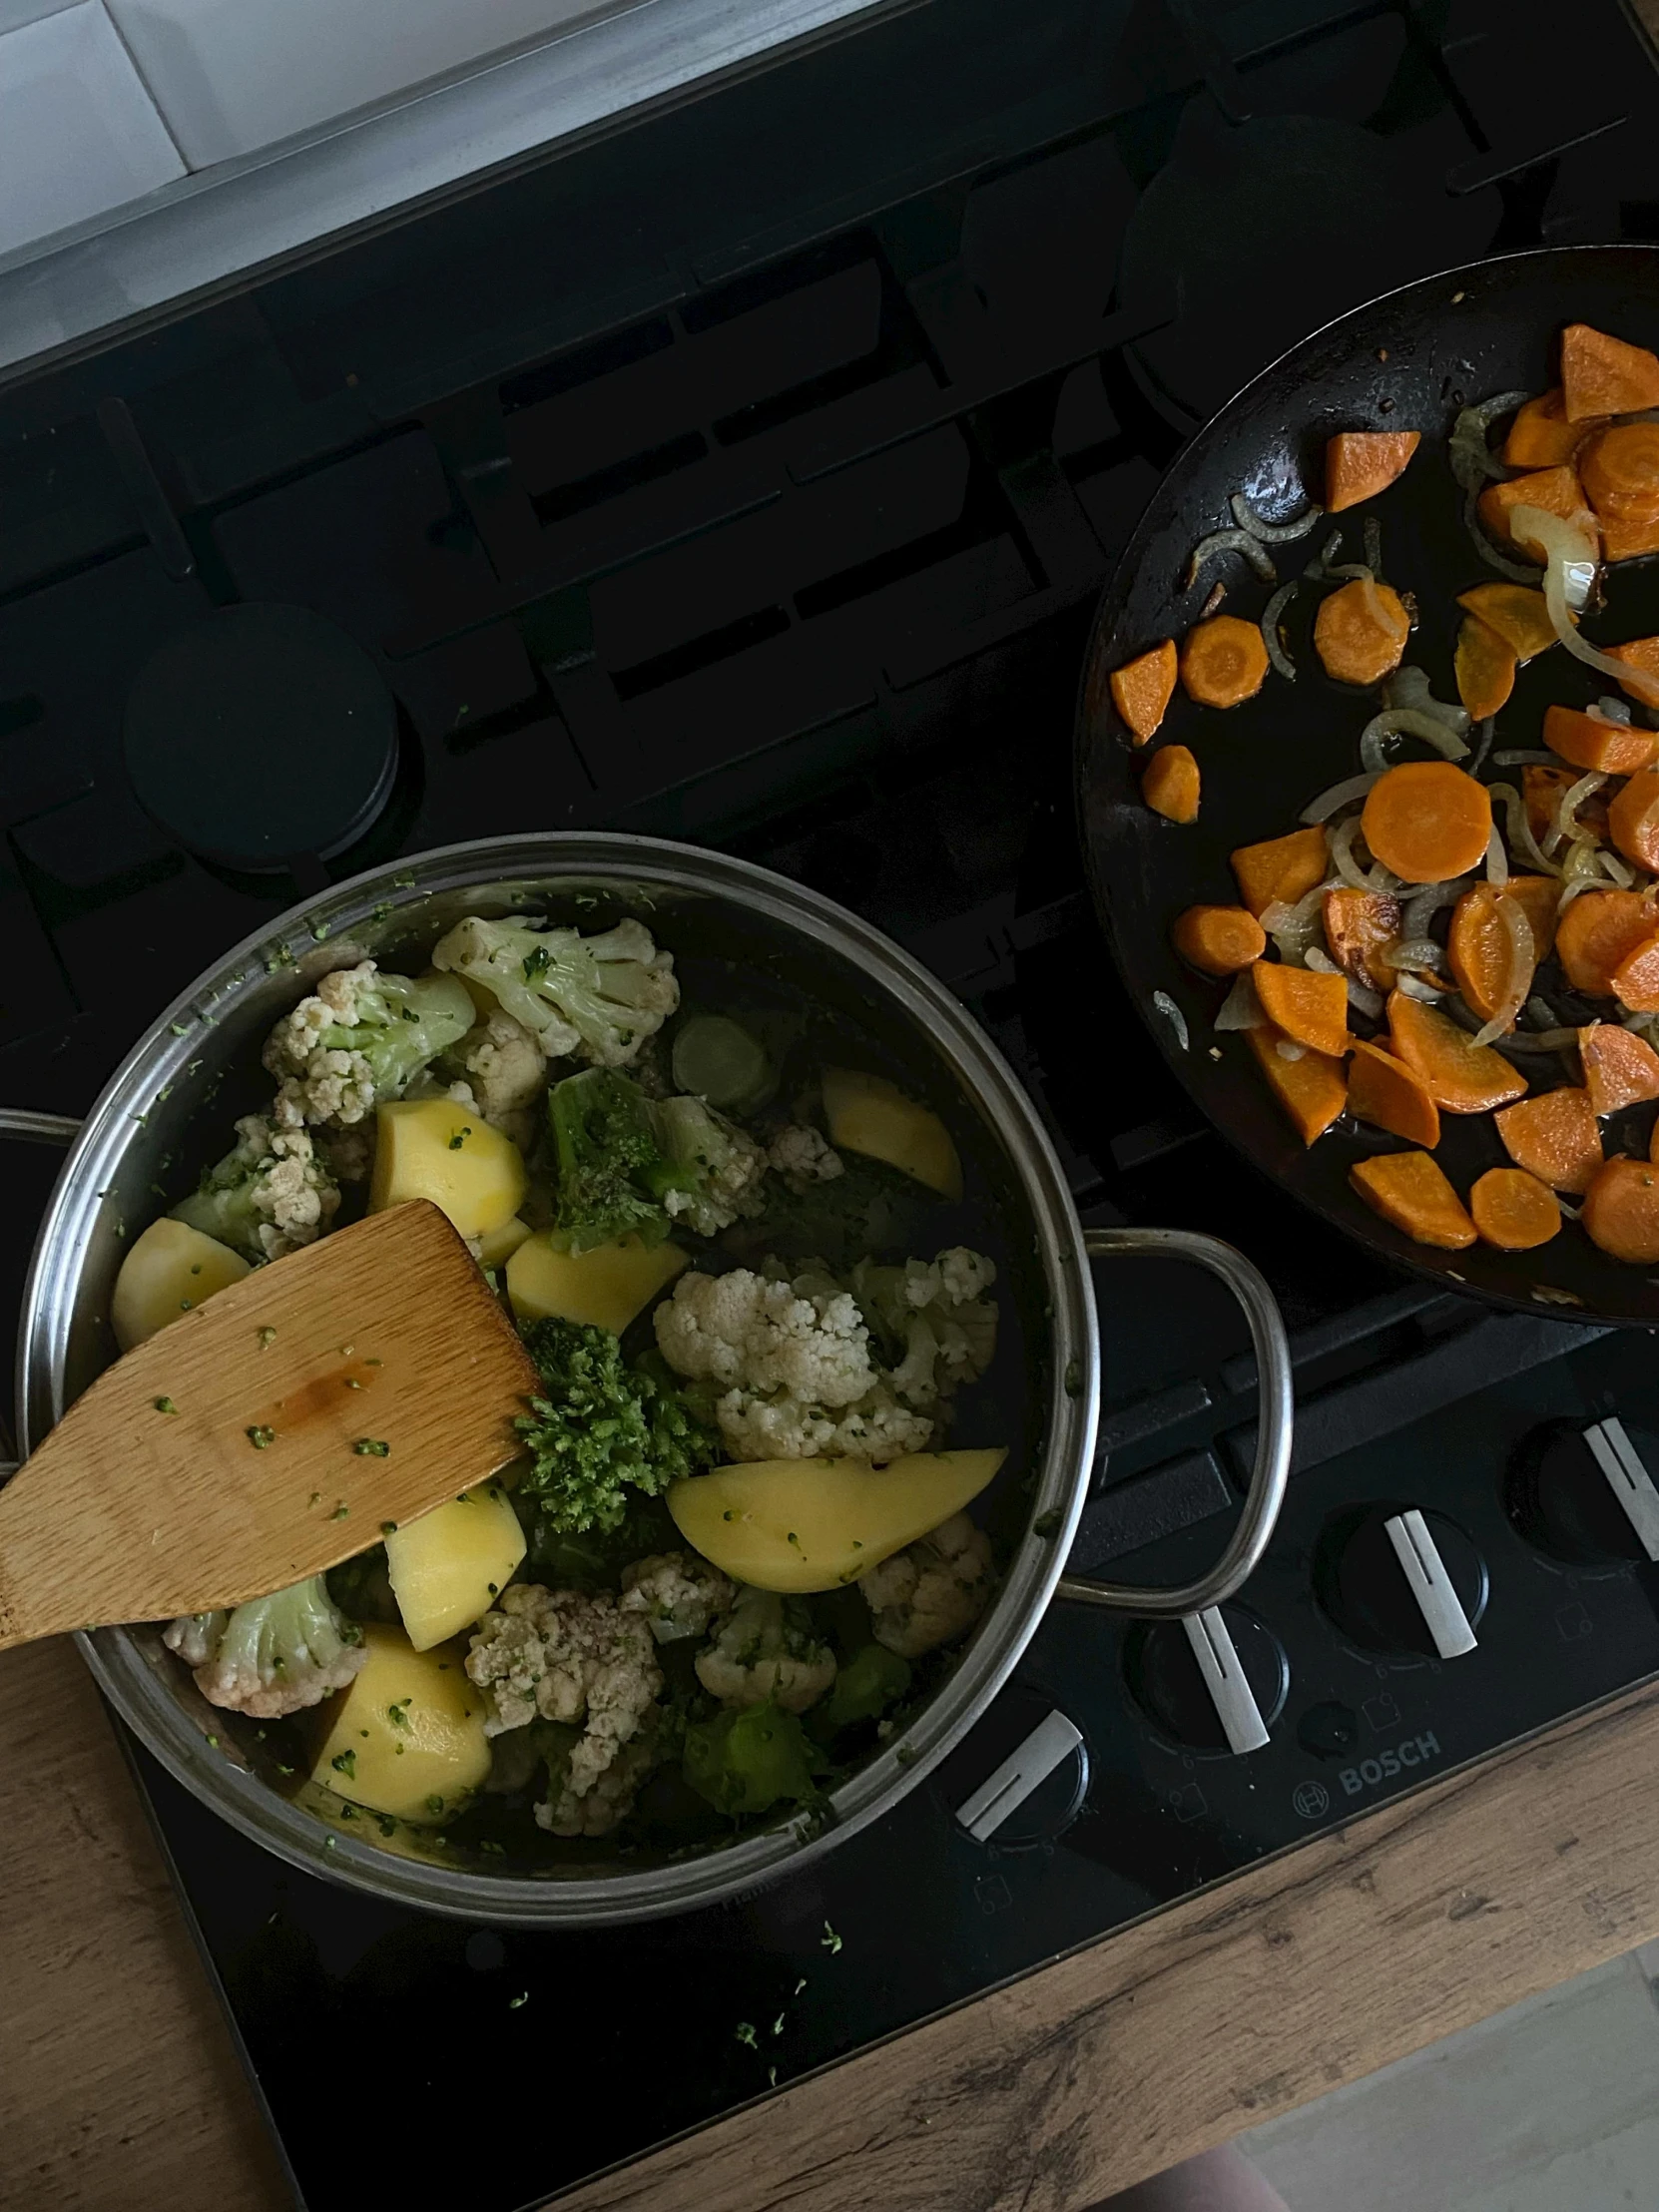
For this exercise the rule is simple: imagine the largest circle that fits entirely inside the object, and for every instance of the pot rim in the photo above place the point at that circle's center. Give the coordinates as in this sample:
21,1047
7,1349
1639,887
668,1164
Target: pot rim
1067,1423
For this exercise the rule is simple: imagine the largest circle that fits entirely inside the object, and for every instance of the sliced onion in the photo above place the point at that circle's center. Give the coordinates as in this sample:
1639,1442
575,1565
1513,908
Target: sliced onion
1339,795
1610,710
1521,838
1516,571
1271,614
1472,461
1489,730
1348,867
1363,999
1565,824
1286,1049
1612,865
1568,1207
1414,988
1351,572
1570,578
1276,915
1414,918
1320,963
1174,1016
1241,1008
1413,952
1523,966
1519,756
1407,722
1498,860
1272,533
1542,1013
1319,565
1229,541
1408,686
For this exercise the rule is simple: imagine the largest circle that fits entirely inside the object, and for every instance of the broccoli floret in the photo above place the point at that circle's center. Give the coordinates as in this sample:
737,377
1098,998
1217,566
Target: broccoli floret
274,1655
363,1036
603,1145
597,997
748,1757
870,1681
270,1194
707,1172
602,1432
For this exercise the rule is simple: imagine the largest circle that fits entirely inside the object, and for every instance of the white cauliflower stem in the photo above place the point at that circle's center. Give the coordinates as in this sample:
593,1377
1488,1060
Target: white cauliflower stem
678,1594
932,1591
274,1655
767,1651
598,997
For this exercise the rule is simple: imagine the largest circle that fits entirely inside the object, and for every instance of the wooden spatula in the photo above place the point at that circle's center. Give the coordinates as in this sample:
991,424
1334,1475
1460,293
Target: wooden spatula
267,1434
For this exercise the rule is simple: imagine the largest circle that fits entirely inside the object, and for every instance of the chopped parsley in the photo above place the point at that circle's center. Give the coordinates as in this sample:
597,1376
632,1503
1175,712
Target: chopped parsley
261,1438
345,1763
513,2003
267,1336
372,1448
459,1138
829,1941
435,1805
341,1511
388,1528
165,1405
537,964
397,1712
745,2033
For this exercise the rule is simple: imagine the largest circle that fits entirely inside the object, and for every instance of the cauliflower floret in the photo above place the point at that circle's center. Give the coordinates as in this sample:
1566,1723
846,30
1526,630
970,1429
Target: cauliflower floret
678,1594
506,1071
762,1336
274,1655
608,1801
935,1313
363,1035
566,1656
599,997
932,1591
803,1156
711,1171
767,1651
270,1194
876,1428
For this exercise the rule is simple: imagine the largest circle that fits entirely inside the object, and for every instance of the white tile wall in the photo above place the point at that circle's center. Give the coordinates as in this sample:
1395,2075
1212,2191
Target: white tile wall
15,13
232,76
78,132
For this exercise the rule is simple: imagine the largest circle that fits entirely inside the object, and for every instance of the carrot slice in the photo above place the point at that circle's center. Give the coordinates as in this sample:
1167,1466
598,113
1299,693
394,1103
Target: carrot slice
1514,1210
1596,932
1311,1088
1409,1189
1357,924
1619,469
1555,1137
1310,1007
1614,748
1541,436
1538,897
1622,1212
1557,490
1359,632
1461,1077
1361,463
1143,688
1602,375
1633,821
1619,1068
1170,786
1625,540
1224,662
1543,788
1219,939
1391,1096
1482,953
1636,979
1641,655
1485,666
1427,821
1282,868
1517,614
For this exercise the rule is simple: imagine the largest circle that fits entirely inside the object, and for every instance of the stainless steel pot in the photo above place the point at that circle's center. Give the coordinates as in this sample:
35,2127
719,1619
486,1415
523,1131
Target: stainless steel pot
167,1109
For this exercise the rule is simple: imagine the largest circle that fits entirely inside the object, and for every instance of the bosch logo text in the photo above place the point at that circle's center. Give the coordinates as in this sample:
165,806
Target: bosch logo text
1389,1766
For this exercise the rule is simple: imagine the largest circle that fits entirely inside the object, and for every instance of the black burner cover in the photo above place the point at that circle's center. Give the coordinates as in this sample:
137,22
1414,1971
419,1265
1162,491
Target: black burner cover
262,735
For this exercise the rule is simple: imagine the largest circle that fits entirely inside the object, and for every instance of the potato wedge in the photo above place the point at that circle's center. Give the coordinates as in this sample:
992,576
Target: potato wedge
170,1270
432,1148
448,1568
407,1737
868,1114
604,1287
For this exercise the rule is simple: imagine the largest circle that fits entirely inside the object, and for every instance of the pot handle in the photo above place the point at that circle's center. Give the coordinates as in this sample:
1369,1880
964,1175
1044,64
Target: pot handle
21,1121
1269,1477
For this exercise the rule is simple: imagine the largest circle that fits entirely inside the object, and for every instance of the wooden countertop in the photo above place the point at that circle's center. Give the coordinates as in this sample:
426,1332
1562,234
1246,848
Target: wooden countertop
119,2087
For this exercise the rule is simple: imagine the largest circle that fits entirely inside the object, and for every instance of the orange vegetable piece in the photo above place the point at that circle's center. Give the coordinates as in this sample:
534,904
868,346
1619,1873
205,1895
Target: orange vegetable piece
1361,463
1461,1076
1602,375
1538,897
1619,1068
1543,789
1427,821
1480,950
1619,469
1361,631
1170,786
1485,665
1555,1137
1391,1096
1557,490
1636,979
1642,657
1357,924
1622,1212
1223,661
1614,748
1310,1008
1625,540
1514,1210
1143,688
1541,436
1596,932
1219,939
1633,821
1312,1089
1517,613
1410,1190
1282,868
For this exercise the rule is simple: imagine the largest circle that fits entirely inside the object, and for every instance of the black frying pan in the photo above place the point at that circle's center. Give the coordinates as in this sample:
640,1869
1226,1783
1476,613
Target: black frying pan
1407,362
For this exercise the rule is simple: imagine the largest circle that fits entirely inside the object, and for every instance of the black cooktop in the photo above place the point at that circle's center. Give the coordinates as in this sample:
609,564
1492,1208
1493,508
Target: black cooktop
746,476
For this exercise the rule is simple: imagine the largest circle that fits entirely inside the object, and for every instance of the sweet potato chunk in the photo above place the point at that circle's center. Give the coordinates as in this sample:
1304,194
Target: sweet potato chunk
1219,939
1541,436
1517,614
1427,821
1636,979
1622,1212
1555,1137
1143,688
1538,897
1359,632
1281,868
1311,1088
1223,661
1619,471
1557,490
1596,932
1391,1096
1170,786
1361,463
1461,1077
1485,666
1611,748
1410,1190
1624,540
1642,657
1619,1068
1480,952
1633,821
1602,375
1543,788
1357,924
1310,1007
1514,1210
